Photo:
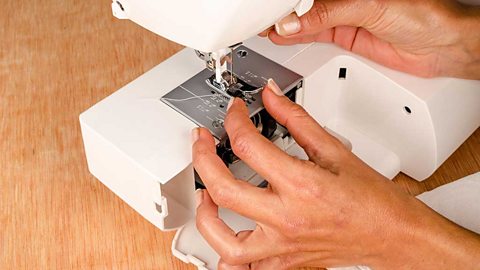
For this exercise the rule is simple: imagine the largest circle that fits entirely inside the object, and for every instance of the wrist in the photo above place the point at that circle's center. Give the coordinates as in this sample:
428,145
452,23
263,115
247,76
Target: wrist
426,240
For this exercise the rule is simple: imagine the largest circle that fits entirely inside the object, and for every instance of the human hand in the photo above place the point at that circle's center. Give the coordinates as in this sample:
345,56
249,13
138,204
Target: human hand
330,210
428,38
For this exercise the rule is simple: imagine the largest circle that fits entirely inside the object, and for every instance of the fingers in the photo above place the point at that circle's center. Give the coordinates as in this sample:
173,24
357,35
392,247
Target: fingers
265,32
213,229
289,261
255,150
228,192
299,39
281,262
328,14
289,25
343,36
321,147
233,249
222,265
274,263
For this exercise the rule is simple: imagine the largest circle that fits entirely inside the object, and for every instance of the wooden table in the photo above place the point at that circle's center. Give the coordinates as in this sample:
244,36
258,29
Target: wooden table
58,58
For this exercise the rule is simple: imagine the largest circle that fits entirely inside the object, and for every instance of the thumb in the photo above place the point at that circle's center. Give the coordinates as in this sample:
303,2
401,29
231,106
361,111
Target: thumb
326,14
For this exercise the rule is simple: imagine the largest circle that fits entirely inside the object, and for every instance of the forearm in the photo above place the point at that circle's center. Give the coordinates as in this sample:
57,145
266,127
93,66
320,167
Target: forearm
430,241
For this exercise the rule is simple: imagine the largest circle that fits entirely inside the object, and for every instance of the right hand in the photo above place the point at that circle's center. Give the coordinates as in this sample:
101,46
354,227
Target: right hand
330,210
427,38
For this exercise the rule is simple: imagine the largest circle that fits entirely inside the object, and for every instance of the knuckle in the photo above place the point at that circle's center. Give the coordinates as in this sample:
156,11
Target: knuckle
222,265
314,152
318,16
285,263
222,195
199,154
321,156
329,155
201,223
313,187
377,12
292,227
316,191
241,145
296,113
234,255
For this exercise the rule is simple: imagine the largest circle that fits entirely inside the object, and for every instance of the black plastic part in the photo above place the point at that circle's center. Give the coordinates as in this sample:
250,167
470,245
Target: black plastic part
269,126
198,181
120,5
342,73
407,110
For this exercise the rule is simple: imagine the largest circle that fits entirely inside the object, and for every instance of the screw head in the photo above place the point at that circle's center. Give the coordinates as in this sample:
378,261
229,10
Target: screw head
242,53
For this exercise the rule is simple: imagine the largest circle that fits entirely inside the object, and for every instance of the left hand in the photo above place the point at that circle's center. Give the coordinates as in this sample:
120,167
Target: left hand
428,38
331,210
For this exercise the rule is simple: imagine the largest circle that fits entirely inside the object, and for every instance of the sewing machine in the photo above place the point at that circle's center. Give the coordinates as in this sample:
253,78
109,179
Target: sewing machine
137,140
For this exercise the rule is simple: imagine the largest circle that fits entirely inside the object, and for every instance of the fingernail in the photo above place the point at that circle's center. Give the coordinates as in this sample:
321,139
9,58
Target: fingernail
195,134
230,103
198,197
288,26
274,87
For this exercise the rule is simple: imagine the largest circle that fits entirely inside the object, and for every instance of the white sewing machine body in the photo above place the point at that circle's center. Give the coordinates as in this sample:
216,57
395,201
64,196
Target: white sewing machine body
137,141
140,148
207,25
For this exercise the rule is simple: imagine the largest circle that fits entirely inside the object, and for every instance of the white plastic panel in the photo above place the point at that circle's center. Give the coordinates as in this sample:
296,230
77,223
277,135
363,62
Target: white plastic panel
458,201
140,148
455,111
208,25
190,247
138,124
369,111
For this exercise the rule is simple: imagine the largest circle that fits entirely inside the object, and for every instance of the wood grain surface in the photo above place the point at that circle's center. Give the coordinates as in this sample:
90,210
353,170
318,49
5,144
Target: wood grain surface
58,58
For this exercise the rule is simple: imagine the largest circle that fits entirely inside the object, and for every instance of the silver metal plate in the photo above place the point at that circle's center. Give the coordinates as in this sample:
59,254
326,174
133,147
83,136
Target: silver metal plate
206,105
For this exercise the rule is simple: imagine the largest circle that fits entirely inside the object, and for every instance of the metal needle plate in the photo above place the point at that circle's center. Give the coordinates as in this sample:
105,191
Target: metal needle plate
206,105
